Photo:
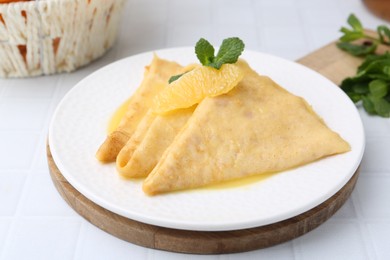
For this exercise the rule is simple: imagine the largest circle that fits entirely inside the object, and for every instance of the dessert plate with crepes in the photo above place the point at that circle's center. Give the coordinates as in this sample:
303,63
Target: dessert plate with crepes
281,142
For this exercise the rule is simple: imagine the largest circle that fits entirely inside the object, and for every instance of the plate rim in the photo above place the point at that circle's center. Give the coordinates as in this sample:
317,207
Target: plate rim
178,224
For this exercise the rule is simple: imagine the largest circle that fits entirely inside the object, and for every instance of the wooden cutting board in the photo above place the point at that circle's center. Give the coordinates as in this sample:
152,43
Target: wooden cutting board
330,62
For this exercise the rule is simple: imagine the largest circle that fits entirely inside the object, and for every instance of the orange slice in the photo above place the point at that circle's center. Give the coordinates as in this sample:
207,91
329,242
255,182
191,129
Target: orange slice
194,86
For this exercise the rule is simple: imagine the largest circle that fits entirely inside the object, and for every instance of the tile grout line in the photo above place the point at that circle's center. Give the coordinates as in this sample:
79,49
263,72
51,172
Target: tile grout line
260,34
258,23
167,25
45,129
306,31
368,245
296,251
79,242
15,217
27,179
367,240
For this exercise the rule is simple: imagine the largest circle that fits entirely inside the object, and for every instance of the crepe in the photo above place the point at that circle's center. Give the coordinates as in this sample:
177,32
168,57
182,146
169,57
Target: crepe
131,145
258,127
142,152
156,78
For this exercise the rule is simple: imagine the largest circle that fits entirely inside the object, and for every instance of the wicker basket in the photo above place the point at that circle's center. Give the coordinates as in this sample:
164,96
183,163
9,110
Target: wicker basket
50,36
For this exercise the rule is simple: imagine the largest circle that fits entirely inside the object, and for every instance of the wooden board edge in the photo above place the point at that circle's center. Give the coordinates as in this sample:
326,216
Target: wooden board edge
197,242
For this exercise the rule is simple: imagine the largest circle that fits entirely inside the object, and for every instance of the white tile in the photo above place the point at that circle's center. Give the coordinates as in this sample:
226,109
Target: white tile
181,3
277,252
11,186
233,2
249,35
190,12
347,211
2,86
163,255
4,229
97,244
323,35
375,158
316,4
379,233
332,240
314,17
17,149
238,15
147,37
368,19
374,126
274,5
36,87
23,113
280,17
107,58
152,11
373,196
187,35
42,199
42,239
67,83
40,162
289,53
287,37
350,4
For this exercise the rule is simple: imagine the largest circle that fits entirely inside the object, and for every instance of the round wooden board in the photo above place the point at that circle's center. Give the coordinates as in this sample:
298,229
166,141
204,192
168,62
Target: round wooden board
197,242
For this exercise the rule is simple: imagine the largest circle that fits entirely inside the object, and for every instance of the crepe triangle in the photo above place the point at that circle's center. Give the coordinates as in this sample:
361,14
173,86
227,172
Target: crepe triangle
258,127
156,78
143,151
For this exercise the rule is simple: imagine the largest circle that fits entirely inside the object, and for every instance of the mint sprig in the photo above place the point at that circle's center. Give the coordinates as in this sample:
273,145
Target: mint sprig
371,84
204,51
229,51
356,32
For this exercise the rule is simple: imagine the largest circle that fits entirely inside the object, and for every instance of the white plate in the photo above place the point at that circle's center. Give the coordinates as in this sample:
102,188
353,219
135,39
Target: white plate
79,126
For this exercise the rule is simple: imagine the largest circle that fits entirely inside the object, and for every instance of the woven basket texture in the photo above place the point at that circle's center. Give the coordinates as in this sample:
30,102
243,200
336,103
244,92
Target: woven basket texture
47,37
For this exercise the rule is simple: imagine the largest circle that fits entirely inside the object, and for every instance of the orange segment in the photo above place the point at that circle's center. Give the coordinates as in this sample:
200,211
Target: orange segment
194,86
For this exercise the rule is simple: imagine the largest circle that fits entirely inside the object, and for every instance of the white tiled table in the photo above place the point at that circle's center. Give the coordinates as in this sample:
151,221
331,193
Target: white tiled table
35,223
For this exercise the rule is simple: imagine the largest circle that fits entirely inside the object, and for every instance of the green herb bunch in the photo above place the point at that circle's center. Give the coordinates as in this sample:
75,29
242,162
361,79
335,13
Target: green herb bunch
229,51
371,84
356,32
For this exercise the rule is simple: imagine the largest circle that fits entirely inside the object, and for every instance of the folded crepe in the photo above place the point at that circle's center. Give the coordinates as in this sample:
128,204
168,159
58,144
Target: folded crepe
156,78
258,127
143,151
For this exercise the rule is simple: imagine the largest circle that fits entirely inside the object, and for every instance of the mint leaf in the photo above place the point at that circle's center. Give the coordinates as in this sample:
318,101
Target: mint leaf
354,22
356,32
204,51
351,36
382,107
384,34
360,88
355,97
378,88
371,84
175,77
357,50
368,105
230,50
386,70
